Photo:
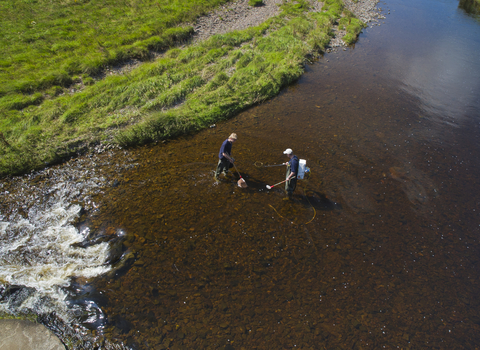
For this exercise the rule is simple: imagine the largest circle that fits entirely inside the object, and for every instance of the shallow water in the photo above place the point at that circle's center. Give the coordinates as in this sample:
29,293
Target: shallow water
378,249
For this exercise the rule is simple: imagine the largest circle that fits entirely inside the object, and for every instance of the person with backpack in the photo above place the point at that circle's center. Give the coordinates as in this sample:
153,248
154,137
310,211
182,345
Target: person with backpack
291,174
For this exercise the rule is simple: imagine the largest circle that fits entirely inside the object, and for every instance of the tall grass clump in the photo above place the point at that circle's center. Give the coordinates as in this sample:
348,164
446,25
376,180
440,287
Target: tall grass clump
352,25
187,89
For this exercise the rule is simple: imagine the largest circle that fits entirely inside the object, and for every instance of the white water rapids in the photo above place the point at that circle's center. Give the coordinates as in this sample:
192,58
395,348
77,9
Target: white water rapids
38,257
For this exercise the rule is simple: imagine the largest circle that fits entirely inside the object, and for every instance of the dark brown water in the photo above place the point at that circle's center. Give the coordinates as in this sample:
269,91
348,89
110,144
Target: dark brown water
378,248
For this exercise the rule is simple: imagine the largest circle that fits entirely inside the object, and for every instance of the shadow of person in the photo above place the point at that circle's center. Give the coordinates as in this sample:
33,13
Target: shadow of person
318,201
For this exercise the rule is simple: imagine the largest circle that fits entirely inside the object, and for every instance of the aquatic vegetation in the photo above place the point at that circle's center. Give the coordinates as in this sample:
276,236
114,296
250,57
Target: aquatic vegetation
182,92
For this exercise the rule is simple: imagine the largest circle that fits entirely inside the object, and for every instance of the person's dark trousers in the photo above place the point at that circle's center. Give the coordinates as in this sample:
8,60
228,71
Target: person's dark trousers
290,185
223,166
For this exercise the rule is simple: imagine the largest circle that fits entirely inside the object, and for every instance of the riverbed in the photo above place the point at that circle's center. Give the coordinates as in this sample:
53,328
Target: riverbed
378,248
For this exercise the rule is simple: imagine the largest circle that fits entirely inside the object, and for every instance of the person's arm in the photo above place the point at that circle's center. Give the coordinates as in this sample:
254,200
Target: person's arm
226,155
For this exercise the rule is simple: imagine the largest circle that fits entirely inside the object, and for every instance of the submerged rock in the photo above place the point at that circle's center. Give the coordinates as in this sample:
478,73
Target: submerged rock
26,335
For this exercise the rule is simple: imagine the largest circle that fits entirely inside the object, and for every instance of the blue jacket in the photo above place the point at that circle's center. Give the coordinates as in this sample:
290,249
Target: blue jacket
294,165
226,148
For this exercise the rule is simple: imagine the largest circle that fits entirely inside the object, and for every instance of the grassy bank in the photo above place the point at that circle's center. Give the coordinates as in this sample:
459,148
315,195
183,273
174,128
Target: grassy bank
186,90
470,6
52,43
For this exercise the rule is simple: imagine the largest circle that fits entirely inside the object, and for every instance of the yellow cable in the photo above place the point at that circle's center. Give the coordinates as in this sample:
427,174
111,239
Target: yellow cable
304,193
276,211
314,211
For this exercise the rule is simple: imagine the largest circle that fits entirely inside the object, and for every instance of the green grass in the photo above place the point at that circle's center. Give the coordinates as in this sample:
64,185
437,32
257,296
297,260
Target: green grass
184,91
255,3
45,43
352,25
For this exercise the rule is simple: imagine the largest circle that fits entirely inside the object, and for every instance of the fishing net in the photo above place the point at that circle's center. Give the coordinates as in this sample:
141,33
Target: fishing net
241,183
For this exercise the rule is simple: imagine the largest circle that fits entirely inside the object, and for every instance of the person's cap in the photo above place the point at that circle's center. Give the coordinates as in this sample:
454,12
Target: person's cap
233,136
288,151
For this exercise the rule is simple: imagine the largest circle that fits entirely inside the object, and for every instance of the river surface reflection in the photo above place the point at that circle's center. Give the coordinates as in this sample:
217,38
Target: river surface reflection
378,248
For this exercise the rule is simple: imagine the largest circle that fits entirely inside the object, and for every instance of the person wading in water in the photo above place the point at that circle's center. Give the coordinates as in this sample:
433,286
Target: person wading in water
291,175
225,161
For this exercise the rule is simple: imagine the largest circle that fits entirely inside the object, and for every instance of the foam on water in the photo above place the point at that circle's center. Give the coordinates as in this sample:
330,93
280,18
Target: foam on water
43,258
38,254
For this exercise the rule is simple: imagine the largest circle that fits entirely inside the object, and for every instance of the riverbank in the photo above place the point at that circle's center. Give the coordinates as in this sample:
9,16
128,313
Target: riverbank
239,15
211,78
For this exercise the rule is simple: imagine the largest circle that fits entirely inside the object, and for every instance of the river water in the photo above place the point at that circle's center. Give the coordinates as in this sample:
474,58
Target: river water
379,247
